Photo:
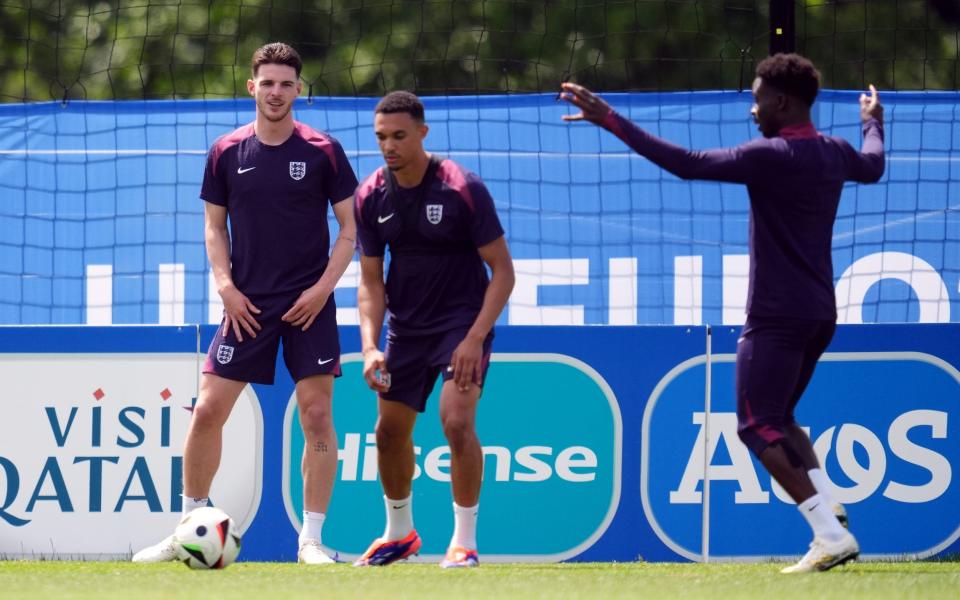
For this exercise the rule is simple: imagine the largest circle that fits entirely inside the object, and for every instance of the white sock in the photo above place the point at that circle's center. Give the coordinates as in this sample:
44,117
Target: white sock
821,519
465,526
399,518
187,504
820,482
312,526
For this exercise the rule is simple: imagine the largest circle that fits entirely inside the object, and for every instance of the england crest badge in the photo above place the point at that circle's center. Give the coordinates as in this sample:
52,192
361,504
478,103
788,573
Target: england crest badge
434,213
224,354
298,170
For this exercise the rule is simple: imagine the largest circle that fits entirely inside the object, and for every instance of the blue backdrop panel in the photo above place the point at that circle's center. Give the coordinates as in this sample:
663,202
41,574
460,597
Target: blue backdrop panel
117,183
602,428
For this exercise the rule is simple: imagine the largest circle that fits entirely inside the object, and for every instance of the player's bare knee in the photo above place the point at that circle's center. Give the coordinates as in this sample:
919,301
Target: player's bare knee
208,415
316,420
390,438
459,432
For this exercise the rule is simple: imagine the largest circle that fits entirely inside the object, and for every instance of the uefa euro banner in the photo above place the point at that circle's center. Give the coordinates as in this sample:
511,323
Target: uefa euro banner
101,221
600,444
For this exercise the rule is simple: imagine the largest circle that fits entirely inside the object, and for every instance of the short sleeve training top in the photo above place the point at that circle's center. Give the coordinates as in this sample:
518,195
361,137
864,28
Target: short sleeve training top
436,279
276,199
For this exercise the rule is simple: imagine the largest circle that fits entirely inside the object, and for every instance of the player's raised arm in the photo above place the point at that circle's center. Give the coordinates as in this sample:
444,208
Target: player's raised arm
724,164
869,164
870,107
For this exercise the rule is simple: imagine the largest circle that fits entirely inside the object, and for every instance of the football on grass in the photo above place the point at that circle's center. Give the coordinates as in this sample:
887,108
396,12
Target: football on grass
207,539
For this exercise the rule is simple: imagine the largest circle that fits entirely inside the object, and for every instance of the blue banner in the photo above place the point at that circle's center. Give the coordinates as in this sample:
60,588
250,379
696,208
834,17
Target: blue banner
101,222
600,444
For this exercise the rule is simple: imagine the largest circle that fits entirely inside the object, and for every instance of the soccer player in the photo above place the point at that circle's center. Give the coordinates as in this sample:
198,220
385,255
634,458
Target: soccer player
440,224
794,176
276,273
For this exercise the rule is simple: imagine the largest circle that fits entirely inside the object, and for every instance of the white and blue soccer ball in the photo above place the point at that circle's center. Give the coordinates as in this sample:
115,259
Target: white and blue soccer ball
207,538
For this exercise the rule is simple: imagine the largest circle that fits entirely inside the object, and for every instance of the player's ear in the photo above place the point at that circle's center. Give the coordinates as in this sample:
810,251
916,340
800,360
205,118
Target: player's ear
783,101
252,87
422,129
299,86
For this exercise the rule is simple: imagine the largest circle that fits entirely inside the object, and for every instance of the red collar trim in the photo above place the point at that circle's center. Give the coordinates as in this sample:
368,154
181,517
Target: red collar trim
799,132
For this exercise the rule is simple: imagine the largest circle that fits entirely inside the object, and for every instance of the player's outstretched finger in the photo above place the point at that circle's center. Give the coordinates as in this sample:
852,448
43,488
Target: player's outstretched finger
250,325
576,89
295,314
465,375
310,320
248,315
237,330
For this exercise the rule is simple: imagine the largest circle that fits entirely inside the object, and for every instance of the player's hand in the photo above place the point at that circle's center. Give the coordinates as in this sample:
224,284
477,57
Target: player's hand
305,310
238,313
375,371
593,108
466,363
870,107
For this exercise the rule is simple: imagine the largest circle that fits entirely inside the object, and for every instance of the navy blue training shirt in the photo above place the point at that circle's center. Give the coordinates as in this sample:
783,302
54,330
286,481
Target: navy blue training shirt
436,279
794,182
277,198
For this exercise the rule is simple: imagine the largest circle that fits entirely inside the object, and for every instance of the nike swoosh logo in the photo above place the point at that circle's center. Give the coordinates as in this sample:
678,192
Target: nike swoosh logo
386,218
398,507
323,362
241,170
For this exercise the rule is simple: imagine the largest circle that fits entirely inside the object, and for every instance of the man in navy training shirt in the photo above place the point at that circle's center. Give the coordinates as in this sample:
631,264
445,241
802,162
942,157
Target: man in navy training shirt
794,177
441,226
274,178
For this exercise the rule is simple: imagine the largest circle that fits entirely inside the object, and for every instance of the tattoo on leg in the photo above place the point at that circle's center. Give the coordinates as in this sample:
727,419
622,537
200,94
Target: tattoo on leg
320,447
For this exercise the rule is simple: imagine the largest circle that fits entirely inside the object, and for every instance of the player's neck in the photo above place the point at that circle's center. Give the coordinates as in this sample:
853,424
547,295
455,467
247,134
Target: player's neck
799,117
273,133
411,175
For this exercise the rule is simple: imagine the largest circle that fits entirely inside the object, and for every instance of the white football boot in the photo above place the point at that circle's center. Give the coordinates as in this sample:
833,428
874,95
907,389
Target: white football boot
164,551
825,555
310,553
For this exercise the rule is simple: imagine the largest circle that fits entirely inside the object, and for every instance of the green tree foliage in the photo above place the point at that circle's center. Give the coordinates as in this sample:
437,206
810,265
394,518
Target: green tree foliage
153,49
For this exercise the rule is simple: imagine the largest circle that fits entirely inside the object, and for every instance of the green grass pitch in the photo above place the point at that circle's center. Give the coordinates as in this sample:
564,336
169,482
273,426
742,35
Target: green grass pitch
716,581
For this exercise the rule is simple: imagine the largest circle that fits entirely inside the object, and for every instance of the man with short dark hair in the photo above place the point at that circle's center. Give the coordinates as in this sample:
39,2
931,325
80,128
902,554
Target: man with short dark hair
794,177
276,273
440,224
